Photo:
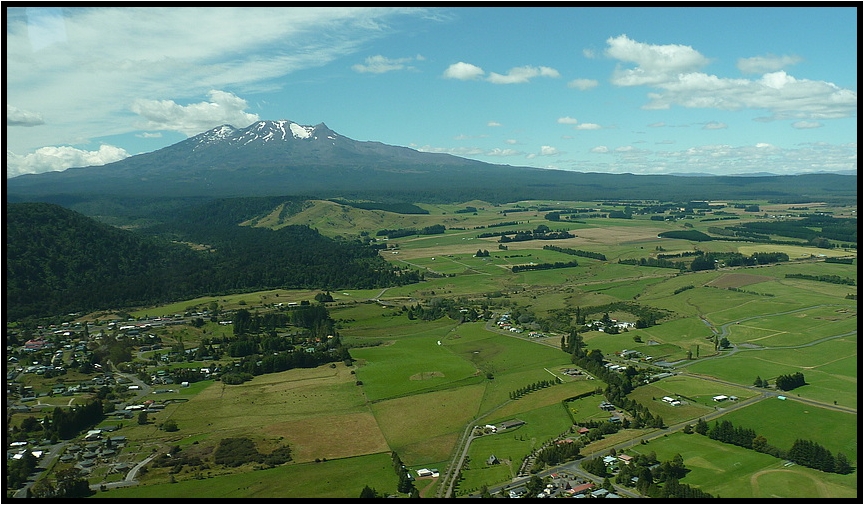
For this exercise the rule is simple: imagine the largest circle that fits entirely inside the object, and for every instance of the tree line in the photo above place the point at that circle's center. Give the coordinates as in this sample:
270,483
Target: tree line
520,392
803,452
576,252
833,279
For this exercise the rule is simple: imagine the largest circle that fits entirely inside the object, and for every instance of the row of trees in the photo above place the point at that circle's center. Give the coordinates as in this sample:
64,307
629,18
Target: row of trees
543,266
519,393
576,252
803,452
833,279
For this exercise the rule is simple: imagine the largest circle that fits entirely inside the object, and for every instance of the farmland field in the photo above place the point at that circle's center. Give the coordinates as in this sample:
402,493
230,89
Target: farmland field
415,384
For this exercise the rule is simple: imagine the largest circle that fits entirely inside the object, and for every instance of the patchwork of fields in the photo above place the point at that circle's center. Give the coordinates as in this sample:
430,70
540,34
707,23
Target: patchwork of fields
417,386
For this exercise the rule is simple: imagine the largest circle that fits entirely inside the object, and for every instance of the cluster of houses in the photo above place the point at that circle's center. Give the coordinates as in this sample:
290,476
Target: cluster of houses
505,324
601,326
562,487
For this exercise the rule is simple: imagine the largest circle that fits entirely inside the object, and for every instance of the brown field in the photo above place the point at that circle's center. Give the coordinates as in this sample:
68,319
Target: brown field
336,436
738,280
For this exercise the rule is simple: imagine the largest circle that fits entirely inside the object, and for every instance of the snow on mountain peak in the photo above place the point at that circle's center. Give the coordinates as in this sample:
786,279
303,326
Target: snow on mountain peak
301,132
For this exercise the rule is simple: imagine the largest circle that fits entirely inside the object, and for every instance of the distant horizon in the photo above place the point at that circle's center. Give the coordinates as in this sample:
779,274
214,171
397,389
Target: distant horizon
685,91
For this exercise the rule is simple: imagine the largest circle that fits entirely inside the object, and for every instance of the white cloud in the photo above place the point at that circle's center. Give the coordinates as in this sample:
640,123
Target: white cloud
18,117
655,64
463,71
148,135
587,126
379,64
223,108
549,151
769,63
493,123
672,69
85,85
803,125
504,152
518,75
589,53
600,149
583,84
511,141
53,159
457,151
567,120
715,125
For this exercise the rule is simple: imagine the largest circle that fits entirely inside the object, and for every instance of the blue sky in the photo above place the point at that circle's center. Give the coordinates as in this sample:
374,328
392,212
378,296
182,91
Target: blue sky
617,89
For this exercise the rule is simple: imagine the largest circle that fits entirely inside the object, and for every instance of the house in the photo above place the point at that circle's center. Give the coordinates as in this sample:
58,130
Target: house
600,493
609,460
492,460
625,458
518,492
582,487
424,472
720,398
583,431
607,406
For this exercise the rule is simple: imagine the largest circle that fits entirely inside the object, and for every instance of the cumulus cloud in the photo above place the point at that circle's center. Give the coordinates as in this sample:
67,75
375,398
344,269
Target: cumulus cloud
803,125
463,71
379,64
582,84
504,152
457,151
600,149
673,70
84,88
223,108
763,64
518,75
587,126
18,117
549,151
53,159
655,64
714,125
567,120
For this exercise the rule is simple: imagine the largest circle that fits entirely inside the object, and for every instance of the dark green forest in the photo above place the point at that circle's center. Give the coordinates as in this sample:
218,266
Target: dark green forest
59,261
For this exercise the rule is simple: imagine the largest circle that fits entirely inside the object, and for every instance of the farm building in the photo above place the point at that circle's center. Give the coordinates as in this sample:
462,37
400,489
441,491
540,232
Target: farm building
424,472
720,398
492,460
581,487
513,423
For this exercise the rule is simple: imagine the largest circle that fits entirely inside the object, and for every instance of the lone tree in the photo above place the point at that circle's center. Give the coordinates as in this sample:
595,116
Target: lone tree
142,417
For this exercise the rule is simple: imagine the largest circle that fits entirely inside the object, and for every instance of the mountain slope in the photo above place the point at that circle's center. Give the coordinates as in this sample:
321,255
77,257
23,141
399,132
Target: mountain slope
276,158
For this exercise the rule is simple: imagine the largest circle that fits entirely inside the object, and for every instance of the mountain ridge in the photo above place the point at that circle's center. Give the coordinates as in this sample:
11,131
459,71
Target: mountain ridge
275,158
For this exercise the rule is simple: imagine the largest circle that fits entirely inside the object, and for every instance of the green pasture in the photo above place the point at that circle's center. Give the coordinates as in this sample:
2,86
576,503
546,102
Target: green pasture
424,428
334,478
513,445
624,290
410,365
728,471
796,328
782,422
829,367
587,409
695,394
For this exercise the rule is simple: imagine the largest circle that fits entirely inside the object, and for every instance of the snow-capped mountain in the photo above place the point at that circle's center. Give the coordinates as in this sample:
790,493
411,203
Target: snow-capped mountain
266,157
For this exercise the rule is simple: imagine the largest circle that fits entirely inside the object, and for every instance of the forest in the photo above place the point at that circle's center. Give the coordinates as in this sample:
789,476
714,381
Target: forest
59,261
